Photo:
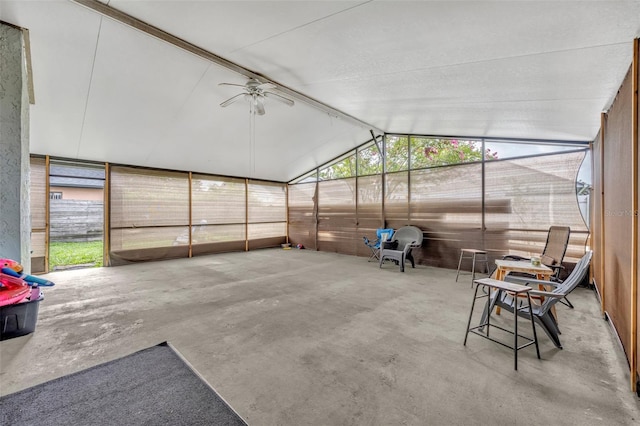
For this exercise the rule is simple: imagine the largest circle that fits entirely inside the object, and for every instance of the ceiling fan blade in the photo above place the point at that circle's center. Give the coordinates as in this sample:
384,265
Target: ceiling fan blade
264,86
232,100
259,106
279,98
230,84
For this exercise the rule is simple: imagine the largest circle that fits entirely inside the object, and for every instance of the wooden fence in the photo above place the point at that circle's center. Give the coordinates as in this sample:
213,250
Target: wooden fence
76,220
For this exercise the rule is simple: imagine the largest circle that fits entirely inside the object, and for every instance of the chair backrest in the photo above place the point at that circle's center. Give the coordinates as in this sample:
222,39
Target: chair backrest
577,275
384,231
556,246
407,235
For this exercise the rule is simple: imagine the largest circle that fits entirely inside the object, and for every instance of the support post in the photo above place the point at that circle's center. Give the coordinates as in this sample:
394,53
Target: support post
286,200
106,226
246,214
47,211
603,123
316,197
15,217
634,221
384,181
483,212
190,214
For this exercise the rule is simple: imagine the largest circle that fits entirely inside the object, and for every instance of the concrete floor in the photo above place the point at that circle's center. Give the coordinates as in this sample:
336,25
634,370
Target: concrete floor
296,337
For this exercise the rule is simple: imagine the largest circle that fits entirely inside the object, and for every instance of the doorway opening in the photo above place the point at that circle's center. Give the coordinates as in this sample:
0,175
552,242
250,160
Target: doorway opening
76,215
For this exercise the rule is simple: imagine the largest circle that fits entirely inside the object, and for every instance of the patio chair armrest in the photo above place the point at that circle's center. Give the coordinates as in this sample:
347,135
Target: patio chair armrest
556,267
407,248
528,281
546,294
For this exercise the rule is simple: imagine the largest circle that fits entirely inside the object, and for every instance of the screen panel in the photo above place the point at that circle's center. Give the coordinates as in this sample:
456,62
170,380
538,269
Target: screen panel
396,201
446,203
267,214
618,215
302,214
369,214
218,214
149,211
337,216
38,206
525,196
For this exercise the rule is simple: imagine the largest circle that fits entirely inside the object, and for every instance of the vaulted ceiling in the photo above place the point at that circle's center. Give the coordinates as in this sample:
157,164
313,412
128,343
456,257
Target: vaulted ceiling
106,91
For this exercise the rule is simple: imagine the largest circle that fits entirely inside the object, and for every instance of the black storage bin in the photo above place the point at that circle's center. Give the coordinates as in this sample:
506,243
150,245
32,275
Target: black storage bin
19,319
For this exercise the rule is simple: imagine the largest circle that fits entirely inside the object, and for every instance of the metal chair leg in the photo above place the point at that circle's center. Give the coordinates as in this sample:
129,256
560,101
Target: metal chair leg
460,264
533,326
566,302
473,303
473,269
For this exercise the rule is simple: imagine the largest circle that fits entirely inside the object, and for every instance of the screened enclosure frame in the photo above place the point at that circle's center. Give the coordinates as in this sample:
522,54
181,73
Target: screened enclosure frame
221,224
257,231
370,193
350,230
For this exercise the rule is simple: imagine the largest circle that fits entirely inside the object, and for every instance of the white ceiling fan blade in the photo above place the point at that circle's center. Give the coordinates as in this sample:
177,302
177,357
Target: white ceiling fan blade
231,84
259,106
232,100
264,86
279,98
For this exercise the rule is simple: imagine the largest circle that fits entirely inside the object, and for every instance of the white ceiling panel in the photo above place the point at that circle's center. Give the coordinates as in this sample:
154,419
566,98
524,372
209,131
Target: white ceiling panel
288,140
577,83
308,142
223,27
461,52
393,37
63,42
521,69
139,85
512,120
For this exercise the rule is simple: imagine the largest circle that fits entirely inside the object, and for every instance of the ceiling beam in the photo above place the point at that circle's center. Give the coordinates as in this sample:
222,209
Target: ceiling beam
166,37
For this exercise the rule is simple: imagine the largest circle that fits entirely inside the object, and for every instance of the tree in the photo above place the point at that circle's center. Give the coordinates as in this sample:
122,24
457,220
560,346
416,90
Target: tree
425,152
340,169
429,152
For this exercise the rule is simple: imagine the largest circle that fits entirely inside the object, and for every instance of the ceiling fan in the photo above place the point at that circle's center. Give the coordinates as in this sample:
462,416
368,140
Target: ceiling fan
255,92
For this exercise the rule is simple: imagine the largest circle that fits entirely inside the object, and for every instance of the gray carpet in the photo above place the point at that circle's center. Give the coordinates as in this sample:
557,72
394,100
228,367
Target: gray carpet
150,387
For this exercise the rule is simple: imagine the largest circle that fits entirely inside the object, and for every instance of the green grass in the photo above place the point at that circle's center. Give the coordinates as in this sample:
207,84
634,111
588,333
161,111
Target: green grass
66,254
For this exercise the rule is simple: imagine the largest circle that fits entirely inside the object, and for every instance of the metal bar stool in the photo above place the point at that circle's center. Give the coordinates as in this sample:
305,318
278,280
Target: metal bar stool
482,330
473,254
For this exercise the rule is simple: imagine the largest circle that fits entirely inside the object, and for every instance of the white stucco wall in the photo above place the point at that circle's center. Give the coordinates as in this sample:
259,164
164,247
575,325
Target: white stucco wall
14,149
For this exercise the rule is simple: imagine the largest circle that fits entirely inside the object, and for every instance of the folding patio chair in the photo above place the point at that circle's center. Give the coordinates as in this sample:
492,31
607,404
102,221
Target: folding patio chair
383,234
554,249
553,253
542,313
